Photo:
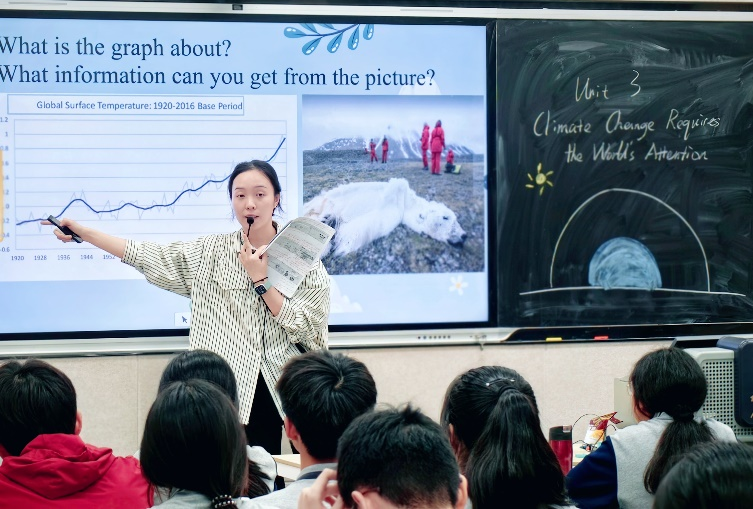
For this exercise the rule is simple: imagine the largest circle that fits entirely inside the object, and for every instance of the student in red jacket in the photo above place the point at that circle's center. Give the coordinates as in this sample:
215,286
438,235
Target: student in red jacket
425,145
437,145
48,465
385,149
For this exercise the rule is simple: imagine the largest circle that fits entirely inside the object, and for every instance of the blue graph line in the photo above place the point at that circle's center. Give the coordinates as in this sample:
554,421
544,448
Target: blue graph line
129,204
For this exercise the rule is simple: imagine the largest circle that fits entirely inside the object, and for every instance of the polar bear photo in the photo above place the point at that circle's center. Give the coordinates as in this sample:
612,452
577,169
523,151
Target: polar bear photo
362,212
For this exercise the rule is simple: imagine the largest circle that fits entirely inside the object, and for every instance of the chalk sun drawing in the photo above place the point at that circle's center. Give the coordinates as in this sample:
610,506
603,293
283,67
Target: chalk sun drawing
540,180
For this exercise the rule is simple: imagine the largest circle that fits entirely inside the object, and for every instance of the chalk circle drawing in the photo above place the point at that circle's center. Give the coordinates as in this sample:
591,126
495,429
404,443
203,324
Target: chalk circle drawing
625,263
640,193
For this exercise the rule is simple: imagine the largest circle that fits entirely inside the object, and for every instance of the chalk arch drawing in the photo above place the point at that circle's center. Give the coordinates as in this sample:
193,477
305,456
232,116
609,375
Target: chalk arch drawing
640,193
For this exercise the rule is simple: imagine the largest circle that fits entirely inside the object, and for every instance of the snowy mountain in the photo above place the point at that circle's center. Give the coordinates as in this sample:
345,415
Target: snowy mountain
402,146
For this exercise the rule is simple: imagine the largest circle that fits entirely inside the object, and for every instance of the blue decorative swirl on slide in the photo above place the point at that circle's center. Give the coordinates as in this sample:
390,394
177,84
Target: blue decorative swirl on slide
310,30
623,262
139,207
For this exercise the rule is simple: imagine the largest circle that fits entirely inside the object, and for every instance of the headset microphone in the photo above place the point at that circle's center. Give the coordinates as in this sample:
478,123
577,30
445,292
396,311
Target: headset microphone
250,221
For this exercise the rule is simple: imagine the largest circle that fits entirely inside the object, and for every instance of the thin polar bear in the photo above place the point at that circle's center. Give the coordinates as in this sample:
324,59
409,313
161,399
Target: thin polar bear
365,211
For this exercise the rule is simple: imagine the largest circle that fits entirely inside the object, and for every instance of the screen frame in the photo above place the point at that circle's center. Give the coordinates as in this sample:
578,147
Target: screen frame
201,12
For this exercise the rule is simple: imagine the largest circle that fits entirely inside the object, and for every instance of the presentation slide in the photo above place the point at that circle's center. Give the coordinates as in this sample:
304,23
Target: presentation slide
133,127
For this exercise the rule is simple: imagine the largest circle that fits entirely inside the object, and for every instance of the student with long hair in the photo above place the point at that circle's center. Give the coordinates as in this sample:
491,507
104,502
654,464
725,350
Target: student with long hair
206,365
194,448
492,419
669,389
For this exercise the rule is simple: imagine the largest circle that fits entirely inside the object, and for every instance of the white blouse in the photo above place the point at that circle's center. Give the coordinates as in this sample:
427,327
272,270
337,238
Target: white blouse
227,315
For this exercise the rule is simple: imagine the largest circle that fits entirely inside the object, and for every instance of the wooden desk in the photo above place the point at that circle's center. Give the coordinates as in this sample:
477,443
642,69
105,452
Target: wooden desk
288,465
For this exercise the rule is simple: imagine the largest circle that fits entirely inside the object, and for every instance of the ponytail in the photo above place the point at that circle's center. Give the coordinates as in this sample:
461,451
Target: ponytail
511,464
670,381
679,437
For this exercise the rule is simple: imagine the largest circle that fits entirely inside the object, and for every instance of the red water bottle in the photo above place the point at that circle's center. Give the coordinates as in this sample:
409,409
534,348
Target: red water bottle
561,441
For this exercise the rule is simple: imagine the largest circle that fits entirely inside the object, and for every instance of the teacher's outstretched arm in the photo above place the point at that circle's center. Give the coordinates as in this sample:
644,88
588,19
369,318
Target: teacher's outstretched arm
113,245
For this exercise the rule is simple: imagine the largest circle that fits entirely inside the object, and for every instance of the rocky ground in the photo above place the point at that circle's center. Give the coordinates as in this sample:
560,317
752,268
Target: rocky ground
405,251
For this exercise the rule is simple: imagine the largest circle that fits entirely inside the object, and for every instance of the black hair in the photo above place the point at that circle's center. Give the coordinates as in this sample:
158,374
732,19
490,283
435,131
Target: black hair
194,441
204,365
669,380
505,456
716,475
400,453
209,366
261,166
35,399
321,393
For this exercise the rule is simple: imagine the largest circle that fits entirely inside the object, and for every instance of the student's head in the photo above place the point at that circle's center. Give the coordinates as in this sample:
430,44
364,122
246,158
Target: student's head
208,366
204,365
321,393
669,381
194,441
491,416
398,458
35,399
716,475
255,190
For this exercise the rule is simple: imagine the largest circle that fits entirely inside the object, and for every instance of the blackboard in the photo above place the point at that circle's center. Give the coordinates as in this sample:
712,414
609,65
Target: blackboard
625,171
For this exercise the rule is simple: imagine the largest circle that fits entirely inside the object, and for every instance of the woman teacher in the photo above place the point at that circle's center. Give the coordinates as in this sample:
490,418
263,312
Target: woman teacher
234,311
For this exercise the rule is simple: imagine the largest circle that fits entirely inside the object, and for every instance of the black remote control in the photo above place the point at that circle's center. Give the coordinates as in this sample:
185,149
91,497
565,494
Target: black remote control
64,229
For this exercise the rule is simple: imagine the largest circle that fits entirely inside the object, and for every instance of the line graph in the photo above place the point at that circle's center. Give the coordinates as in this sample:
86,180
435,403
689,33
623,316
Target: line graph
141,177
134,205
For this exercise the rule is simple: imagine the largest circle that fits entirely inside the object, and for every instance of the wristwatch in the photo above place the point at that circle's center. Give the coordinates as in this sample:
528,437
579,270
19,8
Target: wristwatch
262,288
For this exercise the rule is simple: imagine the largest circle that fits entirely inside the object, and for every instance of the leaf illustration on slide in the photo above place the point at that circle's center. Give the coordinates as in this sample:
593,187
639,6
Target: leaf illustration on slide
293,33
310,30
310,46
334,44
353,41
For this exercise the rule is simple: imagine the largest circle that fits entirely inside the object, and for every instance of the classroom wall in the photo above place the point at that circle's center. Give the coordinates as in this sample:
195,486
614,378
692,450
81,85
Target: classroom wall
115,392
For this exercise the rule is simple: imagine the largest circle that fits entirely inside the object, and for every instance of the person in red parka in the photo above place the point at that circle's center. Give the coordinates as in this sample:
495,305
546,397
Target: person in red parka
372,148
385,149
450,166
425,145
47,465
437,145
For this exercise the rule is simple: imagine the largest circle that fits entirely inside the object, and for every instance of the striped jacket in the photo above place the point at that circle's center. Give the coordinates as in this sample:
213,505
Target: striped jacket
228,317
